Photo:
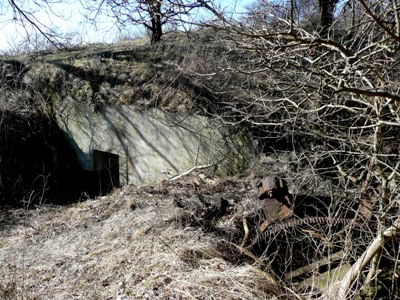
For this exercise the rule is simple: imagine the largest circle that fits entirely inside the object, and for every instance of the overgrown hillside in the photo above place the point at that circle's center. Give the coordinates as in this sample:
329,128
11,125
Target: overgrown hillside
170,241
327,131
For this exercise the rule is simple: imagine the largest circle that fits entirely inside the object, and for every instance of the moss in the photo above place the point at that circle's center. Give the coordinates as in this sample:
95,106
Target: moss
242,152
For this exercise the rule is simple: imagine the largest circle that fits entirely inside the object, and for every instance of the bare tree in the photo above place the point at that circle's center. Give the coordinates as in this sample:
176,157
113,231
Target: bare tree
152,14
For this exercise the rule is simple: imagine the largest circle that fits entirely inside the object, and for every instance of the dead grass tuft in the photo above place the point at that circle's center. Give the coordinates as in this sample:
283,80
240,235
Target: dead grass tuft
132,244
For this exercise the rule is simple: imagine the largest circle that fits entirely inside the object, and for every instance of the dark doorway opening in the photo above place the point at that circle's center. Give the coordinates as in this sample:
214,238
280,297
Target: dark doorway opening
106,165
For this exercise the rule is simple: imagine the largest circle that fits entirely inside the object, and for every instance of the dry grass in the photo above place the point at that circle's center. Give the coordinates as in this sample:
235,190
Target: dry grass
126,73
132,244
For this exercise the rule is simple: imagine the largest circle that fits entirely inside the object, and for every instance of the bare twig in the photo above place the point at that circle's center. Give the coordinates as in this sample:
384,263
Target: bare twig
195,168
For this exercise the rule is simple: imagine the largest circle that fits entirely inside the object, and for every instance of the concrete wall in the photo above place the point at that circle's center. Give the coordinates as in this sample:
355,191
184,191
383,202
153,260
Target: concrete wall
149,144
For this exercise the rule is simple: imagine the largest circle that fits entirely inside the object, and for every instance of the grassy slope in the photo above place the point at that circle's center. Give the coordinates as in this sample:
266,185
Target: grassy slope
129,72
132,244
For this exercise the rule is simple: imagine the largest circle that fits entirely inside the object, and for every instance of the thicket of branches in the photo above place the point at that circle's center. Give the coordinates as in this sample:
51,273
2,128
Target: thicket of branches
331,82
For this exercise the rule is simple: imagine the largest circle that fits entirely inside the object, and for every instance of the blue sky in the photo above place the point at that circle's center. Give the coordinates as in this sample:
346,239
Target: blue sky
12,35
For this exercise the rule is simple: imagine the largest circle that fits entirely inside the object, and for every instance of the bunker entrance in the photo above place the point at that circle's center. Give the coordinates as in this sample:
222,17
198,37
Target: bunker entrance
106,165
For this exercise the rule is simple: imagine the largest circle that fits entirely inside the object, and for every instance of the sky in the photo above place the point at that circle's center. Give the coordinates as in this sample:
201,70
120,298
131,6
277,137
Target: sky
13,36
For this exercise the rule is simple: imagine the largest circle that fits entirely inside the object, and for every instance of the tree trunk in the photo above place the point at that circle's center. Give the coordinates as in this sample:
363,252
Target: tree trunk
156,29
326,8
156,22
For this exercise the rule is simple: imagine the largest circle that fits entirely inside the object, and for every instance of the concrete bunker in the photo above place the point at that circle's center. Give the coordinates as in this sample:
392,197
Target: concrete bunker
124,145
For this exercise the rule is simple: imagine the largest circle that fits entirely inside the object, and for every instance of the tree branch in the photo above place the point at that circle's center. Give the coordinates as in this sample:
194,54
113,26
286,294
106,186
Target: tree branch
388,234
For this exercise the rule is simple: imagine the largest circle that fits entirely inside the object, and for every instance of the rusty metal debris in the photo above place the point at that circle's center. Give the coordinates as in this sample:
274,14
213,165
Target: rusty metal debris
275,200
279,208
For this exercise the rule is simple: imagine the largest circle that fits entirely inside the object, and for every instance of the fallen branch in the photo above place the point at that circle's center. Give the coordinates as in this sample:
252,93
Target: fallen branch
246,231
355,271
308,268
251,255
190,170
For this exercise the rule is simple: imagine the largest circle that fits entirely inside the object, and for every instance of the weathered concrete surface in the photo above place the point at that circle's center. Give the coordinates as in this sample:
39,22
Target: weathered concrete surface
152,144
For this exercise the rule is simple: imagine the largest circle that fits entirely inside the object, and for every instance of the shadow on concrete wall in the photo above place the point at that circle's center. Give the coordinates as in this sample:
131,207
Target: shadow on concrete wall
39,165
